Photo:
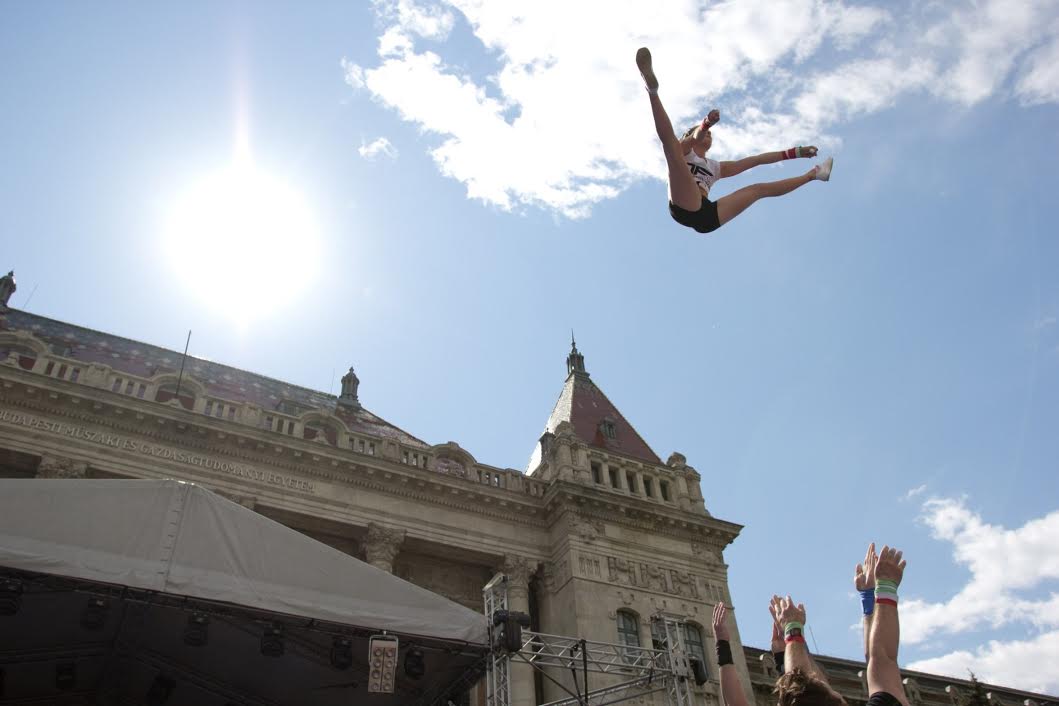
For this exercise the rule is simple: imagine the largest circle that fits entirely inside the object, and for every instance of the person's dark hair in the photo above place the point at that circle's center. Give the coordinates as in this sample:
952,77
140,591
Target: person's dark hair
796,688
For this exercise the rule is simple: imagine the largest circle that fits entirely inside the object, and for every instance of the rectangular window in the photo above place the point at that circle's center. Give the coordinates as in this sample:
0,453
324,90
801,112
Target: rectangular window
129,384
48,368
663,489
613,473
75,374
268,423
62,371
630,482
648,487
116,386
141,390
404,458
371,448
209,408
290,427
360,446
597,473
231,413
218,411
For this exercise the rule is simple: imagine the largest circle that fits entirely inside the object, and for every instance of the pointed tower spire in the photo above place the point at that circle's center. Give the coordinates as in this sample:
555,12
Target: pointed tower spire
575,362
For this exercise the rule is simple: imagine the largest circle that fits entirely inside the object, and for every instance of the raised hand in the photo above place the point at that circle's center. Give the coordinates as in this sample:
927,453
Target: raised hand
777,644
713,117
864,577
890,565
720,621
784,610
809,151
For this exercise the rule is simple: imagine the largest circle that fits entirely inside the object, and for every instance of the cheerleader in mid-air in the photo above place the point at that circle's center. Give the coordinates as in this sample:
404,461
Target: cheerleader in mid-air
692,173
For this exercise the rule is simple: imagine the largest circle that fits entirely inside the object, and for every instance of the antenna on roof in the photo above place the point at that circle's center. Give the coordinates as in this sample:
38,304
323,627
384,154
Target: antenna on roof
180,377
32,292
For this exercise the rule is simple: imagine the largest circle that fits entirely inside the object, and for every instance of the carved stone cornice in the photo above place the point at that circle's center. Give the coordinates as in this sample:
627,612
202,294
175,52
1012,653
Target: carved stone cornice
498,504
382,545
60,467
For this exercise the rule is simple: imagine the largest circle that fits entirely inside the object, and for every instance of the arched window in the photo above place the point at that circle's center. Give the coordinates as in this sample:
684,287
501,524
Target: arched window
693,643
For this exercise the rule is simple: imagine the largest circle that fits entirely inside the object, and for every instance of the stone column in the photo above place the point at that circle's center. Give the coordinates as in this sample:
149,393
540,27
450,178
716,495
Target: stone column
60,467
518,570
382,545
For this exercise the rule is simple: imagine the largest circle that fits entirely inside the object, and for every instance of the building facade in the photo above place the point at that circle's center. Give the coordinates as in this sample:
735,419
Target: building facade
597,535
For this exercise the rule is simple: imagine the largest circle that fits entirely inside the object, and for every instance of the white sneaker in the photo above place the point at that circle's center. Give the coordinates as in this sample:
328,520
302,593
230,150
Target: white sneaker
643,62
823,170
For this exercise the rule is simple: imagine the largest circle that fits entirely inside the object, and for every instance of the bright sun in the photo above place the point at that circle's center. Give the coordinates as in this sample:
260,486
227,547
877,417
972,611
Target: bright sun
243,241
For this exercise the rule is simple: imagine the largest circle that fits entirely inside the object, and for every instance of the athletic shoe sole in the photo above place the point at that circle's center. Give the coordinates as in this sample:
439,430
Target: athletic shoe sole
643,62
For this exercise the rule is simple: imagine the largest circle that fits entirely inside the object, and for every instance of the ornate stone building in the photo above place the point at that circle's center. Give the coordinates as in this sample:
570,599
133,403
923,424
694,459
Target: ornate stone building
596,536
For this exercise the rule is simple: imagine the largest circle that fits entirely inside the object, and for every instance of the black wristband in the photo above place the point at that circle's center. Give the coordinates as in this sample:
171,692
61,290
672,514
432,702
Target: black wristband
724,653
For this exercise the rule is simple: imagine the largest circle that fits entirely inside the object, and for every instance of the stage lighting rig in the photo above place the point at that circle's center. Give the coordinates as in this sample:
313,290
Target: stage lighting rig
272,640
197,634
94,616
10,596
342,653
414,667
510,622
382,663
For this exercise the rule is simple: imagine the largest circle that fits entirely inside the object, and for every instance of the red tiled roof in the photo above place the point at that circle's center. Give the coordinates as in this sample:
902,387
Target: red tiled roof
585,406
222,381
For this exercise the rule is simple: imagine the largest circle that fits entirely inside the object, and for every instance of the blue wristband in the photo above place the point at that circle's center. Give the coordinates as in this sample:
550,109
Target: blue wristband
867,601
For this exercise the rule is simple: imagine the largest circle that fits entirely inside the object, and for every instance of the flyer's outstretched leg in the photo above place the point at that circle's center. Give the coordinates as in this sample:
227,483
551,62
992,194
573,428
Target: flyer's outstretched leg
683,191
730,206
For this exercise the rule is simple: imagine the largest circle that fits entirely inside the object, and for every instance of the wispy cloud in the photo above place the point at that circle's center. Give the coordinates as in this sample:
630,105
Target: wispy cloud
913,492
564,107
1043,323
376,148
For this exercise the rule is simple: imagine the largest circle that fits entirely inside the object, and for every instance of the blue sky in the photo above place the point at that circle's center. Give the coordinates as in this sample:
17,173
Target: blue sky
872,358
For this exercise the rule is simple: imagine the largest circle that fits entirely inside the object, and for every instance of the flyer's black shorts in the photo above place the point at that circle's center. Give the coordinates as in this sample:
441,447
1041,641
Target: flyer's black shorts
704,220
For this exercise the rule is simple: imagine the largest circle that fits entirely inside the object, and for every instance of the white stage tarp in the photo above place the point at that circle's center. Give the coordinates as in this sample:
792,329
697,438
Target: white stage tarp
183,540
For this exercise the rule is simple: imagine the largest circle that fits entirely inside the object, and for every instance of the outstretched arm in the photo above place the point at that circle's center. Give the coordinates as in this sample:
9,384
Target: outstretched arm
731,689
796,655
864,582
883,672
741,165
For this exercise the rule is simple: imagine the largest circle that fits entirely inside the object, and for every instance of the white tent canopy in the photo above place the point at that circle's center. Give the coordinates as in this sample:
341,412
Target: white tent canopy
180,540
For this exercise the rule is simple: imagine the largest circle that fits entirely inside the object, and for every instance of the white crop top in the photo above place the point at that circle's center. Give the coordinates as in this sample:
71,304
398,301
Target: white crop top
703,169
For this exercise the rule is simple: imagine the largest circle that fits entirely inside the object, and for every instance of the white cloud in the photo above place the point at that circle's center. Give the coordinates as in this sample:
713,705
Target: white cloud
561,120
1021,664
1003,563
1044,322
380,146
913,492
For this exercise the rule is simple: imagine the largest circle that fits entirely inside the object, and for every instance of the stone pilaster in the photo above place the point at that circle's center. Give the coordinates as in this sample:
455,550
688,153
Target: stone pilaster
382,545
518,570
61,467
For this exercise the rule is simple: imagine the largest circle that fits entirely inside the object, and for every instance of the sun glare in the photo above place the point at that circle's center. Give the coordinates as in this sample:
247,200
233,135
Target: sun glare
243,241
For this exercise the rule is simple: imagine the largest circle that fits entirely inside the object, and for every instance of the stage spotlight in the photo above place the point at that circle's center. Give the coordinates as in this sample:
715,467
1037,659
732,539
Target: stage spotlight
272,640
10,596
698,670
196,634
95,615
382,664
159,691
65,676
342,653
414,668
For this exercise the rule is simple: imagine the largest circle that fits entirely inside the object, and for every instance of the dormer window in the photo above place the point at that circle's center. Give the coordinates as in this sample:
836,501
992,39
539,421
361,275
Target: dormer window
607,428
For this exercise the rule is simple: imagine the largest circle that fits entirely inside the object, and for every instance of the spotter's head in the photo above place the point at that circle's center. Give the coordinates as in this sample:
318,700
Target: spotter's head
796,688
